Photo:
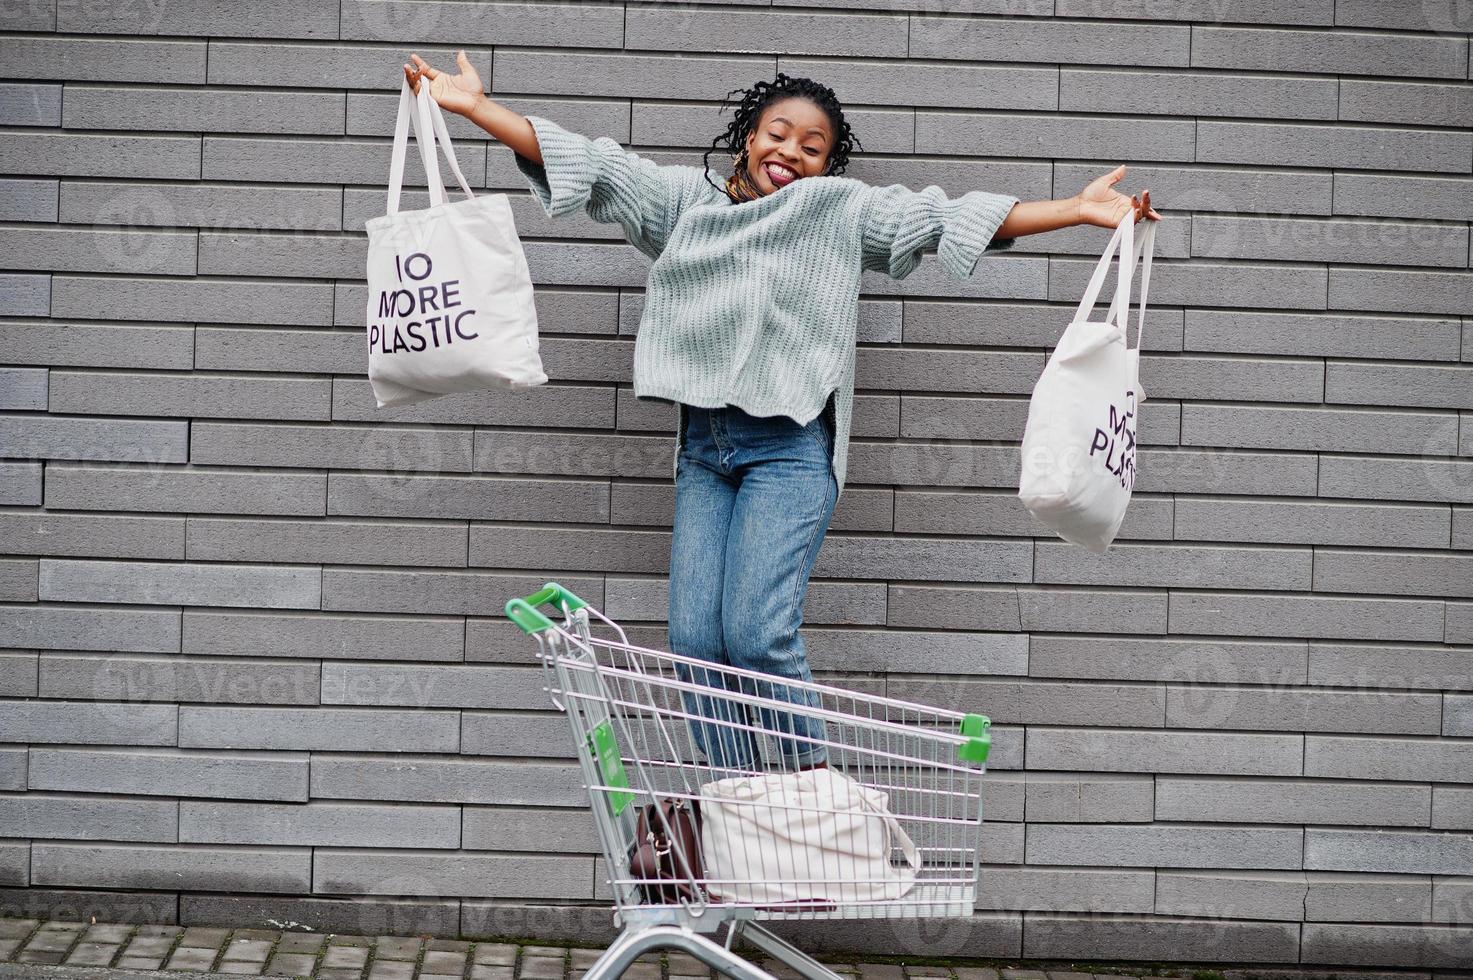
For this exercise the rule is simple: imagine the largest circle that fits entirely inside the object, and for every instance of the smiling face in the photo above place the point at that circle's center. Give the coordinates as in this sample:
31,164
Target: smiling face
791,140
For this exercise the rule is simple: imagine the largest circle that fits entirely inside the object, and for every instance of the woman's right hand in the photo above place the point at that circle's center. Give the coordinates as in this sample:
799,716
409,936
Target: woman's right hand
457,93
1100,204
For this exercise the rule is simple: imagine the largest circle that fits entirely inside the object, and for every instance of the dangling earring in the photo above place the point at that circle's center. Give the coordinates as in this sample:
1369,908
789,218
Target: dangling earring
739,185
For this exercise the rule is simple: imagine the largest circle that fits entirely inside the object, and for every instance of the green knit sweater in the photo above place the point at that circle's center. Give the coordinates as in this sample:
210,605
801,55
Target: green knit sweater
755,304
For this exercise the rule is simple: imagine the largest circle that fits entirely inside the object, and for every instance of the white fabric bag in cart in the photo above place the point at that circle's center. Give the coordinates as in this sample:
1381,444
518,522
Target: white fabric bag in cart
1079,444
449,293
810,836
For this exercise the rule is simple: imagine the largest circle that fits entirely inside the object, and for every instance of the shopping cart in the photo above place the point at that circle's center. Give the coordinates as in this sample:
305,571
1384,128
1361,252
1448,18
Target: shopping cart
645,726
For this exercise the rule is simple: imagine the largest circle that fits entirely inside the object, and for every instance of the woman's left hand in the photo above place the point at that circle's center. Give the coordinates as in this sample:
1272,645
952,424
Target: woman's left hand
1100,204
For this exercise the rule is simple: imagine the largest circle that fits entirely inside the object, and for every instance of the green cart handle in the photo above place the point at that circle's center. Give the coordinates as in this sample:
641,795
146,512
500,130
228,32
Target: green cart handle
524,612
978,744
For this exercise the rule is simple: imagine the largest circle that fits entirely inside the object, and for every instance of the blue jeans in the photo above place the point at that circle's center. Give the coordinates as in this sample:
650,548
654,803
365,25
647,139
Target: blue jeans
753,498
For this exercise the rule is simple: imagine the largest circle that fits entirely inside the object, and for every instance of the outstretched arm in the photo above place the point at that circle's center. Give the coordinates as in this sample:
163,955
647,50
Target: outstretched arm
569,172
464,95
1098,204
898,224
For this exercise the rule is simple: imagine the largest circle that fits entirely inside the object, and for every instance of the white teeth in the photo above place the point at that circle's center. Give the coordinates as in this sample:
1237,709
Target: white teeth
782,170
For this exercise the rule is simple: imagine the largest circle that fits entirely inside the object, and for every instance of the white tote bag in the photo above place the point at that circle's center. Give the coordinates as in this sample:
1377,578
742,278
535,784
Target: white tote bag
809,836
449,294
1079,445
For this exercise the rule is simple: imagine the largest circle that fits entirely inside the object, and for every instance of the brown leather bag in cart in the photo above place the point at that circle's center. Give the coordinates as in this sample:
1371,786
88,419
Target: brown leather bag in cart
664,862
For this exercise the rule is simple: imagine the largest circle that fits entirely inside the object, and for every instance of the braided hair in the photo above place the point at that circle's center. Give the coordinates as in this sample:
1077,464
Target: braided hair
748,113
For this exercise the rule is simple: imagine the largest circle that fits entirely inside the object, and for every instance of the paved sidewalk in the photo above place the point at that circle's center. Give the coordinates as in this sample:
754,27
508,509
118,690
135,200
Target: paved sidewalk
36,950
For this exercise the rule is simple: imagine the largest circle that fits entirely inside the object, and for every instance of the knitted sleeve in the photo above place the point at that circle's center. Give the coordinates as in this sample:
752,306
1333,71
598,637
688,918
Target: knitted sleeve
900,223
613,184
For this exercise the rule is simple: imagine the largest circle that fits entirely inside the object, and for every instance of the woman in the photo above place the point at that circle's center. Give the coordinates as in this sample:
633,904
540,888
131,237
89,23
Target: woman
749,327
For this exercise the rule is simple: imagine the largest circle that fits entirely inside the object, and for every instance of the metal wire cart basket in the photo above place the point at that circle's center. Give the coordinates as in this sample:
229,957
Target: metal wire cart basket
697,776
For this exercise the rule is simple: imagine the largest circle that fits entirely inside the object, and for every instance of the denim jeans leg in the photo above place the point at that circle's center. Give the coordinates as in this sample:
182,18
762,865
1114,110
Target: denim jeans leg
704,497
781,513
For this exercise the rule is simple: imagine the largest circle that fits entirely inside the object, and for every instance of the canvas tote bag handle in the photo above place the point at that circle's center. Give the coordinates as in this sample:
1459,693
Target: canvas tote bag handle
442,134
1124,237
429,125
1145,246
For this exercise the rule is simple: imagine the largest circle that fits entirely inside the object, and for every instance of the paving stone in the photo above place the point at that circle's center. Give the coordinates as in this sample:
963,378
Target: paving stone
300,942
345,957
149,946
140,963
781,970
686,965
542,968
582,959
244,969
93,954
642,971
880,971
445,961
291,964
496,954
248,950
192,958
112,934
159,930
1313,974
486,971
201,937
396,948
17,928
51,941
46,957
391,970
395,958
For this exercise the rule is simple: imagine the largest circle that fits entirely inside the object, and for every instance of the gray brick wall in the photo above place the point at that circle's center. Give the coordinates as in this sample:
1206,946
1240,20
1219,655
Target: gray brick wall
250,661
